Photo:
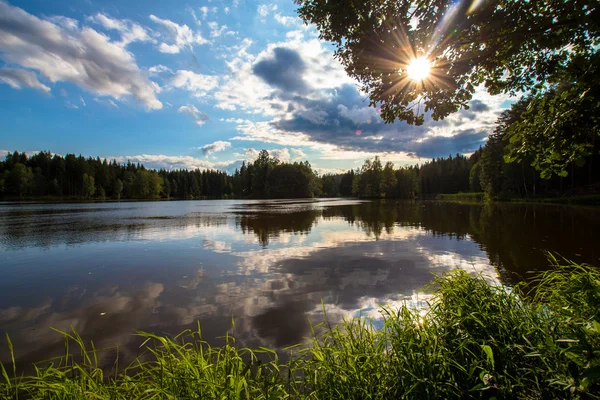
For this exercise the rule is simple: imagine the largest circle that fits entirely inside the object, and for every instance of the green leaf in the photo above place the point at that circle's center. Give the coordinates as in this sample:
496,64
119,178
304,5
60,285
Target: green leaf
489,353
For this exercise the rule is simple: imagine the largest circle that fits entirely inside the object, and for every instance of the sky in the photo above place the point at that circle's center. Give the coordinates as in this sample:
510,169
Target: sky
203,84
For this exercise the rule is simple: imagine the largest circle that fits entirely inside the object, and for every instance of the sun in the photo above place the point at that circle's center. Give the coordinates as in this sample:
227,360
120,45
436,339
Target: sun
418,69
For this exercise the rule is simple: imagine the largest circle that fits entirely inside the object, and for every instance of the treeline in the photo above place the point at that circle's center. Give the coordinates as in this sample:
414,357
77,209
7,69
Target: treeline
51,175
512,164
506,167
375,180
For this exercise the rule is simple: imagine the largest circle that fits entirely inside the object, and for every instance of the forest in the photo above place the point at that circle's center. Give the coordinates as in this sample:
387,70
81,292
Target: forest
47,175
516,162
492,169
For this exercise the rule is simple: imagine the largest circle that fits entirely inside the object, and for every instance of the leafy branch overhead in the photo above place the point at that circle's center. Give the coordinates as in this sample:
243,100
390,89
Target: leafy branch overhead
509,46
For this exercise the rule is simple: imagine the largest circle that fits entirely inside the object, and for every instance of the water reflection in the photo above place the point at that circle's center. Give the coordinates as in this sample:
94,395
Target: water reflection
110,269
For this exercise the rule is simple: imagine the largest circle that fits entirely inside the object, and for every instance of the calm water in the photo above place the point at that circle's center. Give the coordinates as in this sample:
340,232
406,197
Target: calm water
112,268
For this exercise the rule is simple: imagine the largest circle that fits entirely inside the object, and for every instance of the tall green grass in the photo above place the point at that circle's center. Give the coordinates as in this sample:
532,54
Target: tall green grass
540,341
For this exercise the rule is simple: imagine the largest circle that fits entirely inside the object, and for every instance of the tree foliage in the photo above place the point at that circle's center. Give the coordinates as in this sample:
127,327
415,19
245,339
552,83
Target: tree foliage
558,128
268,177
506,45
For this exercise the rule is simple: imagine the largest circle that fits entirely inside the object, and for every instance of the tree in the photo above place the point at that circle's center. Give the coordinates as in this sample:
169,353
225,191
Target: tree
557,129
474,178
263,165
507,45
408,183
21,178
346,184
118,188
390,181
492,161
155,185
89,187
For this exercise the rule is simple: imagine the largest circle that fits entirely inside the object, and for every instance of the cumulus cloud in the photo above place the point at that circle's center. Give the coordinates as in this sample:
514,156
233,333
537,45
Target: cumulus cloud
243,89
284,70
214,147
251,154
181,36
312,103
18,78
198,84
298,154
83,56
130,31
281,154
199,116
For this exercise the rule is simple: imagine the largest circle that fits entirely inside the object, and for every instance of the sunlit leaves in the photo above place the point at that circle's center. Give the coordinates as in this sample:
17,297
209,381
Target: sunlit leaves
509,45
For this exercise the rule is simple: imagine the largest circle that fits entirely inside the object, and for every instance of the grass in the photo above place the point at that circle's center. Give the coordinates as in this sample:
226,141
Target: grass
585,200
462,197
475,341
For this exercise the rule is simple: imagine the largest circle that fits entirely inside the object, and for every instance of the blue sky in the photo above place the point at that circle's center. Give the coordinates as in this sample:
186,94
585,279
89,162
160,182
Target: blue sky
204,84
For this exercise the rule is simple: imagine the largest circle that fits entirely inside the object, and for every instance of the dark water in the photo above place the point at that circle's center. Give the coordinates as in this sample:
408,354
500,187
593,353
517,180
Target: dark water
110,269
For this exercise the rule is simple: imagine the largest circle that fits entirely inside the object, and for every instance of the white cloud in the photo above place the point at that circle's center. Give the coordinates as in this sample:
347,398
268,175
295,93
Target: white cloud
130,31
106,102
216,31
298,154
165,161
251,154
359,115
199,116
242,89
159,69
198,84
158,161
287,21
168,48
65,22
182,36
204,10
264,9
214,147
84,57
196,20
82,101
282,155
17,78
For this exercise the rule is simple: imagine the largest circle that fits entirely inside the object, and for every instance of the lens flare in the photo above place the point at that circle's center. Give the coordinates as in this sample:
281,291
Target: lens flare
418,69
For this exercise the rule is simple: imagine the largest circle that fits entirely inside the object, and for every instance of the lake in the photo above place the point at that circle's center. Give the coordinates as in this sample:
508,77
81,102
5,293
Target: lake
108,269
